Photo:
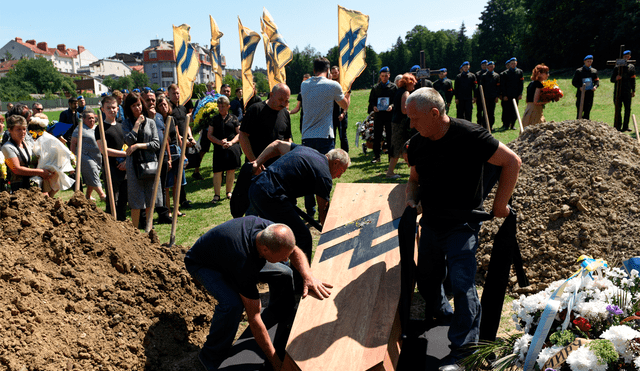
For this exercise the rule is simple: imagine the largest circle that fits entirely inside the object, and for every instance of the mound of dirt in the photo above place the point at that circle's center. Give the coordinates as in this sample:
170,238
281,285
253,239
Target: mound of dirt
79,290
577,194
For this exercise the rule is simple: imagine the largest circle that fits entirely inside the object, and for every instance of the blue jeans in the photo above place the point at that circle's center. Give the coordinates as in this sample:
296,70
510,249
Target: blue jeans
228,312
451,248
322,145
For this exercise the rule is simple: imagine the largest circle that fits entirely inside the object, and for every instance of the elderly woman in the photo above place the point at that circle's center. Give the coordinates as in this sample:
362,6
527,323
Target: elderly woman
91,159
533,113
18,154
141,136
163,106
223,133
400,131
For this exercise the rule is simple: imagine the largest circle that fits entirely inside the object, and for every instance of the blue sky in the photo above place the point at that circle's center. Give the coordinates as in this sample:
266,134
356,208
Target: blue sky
107,27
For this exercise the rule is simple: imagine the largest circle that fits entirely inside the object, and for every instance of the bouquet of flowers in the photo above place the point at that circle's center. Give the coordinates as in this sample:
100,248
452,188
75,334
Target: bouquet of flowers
205,111
37,126
550,91
364,130
602,311
3,167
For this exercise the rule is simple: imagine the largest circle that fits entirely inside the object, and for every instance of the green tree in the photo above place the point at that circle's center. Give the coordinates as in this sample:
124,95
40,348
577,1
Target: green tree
34,76
301,63
230,80
140,80
501,31
262,83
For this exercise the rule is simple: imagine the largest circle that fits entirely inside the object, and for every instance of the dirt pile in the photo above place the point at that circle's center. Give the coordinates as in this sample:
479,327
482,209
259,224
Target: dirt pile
81,291
577,193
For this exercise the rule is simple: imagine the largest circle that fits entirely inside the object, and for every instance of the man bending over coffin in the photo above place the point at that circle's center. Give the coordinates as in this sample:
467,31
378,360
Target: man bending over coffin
447,160
229,261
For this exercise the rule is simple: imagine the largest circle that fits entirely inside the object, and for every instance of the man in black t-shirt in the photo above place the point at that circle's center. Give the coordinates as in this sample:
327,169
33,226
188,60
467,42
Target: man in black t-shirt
265,122
117,156
229,261
301,171
448,158
180,115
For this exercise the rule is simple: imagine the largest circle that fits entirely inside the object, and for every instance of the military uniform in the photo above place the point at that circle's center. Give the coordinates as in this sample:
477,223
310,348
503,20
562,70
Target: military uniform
511,86
490,82
627,90
464,88
480,114
445,88
579,77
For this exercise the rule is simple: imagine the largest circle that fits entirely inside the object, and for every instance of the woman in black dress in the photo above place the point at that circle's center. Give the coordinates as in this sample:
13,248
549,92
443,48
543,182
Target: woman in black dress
223,133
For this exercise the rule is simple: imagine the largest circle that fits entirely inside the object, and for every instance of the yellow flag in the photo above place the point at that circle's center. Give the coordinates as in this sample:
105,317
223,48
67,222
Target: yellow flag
248,42
215,52
352,38
276,50
187,64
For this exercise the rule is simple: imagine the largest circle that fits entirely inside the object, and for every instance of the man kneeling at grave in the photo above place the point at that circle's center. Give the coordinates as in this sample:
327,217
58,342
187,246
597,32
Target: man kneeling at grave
301,171
229,261
447,162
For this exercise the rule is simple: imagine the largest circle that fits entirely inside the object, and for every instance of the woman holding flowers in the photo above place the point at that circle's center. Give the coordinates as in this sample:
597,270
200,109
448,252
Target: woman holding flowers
223,133
535,105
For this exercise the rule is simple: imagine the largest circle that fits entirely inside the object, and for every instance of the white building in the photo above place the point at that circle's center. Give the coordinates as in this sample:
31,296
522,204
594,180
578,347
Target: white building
64,59
106,67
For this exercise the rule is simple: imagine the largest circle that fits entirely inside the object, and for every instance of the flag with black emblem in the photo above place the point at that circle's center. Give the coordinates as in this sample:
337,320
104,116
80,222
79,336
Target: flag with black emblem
276,50
216,60
248,42
352,38
187,63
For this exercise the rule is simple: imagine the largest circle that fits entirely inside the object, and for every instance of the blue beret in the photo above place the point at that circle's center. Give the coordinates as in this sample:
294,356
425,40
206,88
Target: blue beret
136,90
588,57
483,61
514,59
443,70
490,63
415,68
105,94
124,91
466,63
80,97
626,52
384,69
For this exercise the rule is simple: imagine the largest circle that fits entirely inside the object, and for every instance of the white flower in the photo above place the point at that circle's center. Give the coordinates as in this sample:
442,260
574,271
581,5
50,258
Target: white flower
620,336
584,359
547,353
636,362
521,346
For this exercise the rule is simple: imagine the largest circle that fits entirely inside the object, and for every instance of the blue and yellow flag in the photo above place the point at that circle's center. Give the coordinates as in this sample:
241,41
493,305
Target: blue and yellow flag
215,53
187,63
248,42
352,38
276,50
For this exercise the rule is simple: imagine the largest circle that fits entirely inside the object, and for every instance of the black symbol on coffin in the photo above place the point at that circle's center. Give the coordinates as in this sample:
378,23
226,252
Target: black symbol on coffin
361,245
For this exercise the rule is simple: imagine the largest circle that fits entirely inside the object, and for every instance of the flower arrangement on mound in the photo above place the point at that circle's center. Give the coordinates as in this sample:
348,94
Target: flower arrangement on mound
596,326
205,111
550,91
365,130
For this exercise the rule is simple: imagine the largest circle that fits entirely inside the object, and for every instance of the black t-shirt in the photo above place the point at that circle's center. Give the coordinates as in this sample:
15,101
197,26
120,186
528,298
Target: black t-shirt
224,128
301,171
230,249
179,114
450,169
265,125
531,90
115,140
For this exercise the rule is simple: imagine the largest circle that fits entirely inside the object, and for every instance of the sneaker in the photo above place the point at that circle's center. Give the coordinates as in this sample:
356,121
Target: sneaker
197,176
394,176
375,160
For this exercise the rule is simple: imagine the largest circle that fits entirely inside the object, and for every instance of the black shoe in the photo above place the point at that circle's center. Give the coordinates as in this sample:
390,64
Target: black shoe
375,160
186,204
197,176
627,129
164,219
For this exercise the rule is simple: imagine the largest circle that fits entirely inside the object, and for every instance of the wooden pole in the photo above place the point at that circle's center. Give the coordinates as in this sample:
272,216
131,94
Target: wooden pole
515,104
78,157
484,108
156,181
584,88
107,168
172,241
635,124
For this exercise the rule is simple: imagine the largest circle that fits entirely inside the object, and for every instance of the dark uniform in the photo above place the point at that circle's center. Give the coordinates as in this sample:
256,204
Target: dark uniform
445,88
511,86
490,82
579,77
463,89
627,90
382,119
480,114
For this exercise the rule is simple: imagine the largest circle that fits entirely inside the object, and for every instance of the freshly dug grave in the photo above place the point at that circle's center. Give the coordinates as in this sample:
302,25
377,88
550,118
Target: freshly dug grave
81,291
578,193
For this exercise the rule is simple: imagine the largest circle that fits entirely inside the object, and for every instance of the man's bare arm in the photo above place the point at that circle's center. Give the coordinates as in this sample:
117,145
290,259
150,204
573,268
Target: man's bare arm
259,331
510,163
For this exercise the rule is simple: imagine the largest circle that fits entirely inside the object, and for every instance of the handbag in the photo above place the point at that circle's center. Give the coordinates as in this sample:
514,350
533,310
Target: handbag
145,163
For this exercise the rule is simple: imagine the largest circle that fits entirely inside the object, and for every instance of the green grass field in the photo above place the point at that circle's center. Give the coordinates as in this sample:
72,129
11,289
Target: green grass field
204,215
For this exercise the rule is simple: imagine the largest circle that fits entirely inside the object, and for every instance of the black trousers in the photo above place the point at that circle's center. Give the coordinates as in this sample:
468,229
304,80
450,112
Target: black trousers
509,115
586,107
625,101
464,109
378,125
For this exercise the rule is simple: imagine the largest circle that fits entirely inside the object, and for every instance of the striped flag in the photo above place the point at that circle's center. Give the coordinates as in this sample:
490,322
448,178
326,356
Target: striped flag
276,50
215,52
187,64
352,38
248,42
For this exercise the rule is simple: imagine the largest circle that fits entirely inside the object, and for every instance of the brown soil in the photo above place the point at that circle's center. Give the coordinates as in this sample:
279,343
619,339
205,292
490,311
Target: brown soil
81,291
577,193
